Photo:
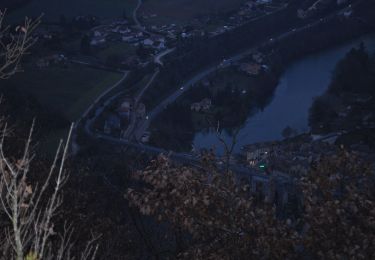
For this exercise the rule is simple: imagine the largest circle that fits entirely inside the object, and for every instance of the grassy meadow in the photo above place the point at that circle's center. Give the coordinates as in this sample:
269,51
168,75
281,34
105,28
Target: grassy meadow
68,91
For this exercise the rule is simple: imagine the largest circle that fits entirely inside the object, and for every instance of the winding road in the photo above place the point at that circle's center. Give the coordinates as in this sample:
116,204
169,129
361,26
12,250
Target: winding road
133,117
135,16
138,129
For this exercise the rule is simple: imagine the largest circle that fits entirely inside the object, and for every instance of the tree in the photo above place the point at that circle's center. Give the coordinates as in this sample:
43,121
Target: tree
85,45
31,208
114,60
28,209
287,132
339,202
14,44
225,220
63,20
142,52
124,15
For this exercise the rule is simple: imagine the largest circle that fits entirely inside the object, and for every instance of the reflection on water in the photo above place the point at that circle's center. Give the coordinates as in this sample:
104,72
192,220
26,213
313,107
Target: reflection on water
301,82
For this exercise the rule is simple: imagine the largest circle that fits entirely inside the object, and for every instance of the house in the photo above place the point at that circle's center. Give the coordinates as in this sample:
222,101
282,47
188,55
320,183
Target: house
262,2
204,105
348,13
125,108
259,155
301,14
251,68
127,38
340,2
113,122
98,41
258,57
145,137
195,107
141,110
148,42
161,46
42,63
157,38
249,4
57,59
206,83
130,61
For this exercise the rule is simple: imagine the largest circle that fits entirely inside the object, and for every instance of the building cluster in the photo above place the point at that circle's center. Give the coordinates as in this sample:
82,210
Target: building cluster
353,113
320,5
255,66
120,31
118,120
250,10
198,27
201,106
292,157
51,60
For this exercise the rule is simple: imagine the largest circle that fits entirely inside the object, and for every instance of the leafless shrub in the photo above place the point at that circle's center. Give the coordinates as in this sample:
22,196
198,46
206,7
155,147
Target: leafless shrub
14,44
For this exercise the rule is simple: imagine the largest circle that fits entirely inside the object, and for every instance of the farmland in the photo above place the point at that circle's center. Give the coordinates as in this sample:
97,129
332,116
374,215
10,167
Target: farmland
53,9
68,91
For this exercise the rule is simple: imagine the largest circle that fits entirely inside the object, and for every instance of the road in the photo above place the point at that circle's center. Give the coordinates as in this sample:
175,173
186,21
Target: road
96,65
135,16
138,24
96,101
85,114
161,55
133,116
241,171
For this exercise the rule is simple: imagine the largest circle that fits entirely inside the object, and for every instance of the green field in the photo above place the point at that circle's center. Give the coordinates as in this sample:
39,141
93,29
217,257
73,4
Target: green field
68,91
181,11
119,49
52,9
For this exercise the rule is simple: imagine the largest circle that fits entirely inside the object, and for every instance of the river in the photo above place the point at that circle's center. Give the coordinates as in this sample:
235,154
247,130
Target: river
302,81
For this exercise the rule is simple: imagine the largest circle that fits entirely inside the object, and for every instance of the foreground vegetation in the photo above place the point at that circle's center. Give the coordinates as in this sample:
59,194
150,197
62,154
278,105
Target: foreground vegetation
176,211
348,104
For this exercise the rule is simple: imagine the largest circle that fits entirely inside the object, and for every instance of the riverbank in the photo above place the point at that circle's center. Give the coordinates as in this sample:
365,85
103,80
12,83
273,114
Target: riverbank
304,80
207,138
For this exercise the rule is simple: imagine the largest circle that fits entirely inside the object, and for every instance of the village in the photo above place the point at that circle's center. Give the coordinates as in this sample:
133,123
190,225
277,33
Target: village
213,25
297,155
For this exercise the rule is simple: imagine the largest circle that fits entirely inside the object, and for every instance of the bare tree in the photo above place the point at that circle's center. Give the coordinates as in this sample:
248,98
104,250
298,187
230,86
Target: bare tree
14,44
228,147
31,209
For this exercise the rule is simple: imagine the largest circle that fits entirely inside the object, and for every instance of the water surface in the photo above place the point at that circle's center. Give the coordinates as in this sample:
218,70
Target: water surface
299,85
